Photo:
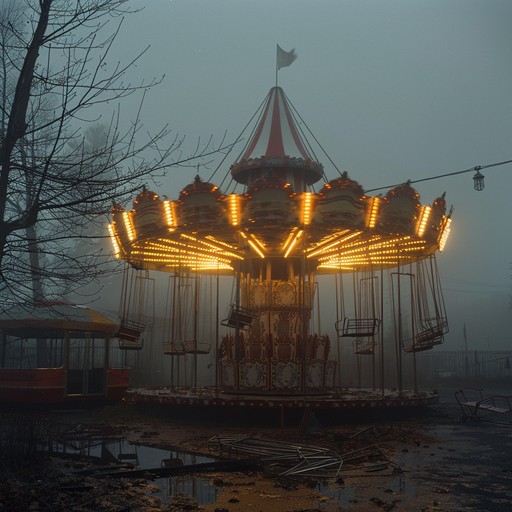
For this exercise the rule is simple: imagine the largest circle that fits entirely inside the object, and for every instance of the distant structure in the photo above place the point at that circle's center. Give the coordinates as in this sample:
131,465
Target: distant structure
57,353
274,238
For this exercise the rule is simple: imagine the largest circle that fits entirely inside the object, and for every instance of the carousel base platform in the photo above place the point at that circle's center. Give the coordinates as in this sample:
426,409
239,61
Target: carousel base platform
344,399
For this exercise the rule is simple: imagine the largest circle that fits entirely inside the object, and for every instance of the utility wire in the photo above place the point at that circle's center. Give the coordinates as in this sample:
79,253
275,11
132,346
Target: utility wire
472,169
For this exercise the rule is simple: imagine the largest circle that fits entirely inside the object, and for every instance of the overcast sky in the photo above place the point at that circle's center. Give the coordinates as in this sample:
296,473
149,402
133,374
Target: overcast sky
393,90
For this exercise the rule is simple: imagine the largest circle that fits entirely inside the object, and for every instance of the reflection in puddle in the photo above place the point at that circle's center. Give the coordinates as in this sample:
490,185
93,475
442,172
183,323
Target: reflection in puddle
199,488
352,492
339,495
121,452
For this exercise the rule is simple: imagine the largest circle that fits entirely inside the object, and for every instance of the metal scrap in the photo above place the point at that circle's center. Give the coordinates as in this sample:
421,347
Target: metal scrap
368,459
304,460
301,460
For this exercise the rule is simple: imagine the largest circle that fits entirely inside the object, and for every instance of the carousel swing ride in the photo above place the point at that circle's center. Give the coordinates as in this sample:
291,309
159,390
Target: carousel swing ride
278,241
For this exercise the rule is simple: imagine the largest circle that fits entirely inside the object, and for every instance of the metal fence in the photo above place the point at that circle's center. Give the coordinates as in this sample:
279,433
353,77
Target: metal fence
474,363
423,367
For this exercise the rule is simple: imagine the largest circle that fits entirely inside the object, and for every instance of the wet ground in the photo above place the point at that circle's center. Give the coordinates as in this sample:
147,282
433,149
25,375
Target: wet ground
429,460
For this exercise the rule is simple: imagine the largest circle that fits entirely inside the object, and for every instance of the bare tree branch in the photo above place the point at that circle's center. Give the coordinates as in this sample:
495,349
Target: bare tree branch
57,185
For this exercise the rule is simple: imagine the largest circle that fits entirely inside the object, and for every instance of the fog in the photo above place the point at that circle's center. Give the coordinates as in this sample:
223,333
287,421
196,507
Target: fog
393,90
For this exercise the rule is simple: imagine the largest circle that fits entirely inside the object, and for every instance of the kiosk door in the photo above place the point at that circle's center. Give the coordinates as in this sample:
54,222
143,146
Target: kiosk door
86,366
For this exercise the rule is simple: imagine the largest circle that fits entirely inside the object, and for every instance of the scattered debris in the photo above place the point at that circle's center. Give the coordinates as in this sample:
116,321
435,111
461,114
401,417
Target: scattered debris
369,459
304,460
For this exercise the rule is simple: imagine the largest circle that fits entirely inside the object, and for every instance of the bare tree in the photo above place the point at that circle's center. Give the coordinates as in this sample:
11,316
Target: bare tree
55,79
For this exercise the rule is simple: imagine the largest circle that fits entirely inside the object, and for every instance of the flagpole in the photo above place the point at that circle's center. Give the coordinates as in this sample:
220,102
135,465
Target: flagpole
277,50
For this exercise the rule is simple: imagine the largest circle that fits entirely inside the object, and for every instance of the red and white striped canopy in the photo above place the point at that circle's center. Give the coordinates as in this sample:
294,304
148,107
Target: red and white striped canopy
276,135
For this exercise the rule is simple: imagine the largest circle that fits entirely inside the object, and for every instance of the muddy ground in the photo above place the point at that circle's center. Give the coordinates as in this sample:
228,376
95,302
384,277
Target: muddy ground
430,460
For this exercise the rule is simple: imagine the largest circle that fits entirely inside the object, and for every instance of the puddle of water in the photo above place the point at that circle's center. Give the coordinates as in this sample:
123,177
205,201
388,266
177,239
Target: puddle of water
200,489
149,457
145,457
342,495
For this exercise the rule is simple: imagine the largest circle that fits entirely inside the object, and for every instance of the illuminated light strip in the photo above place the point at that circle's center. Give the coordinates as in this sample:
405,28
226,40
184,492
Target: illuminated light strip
128,223
219,242
166,250
422,224
209,267
388,260
292,245
416,246
289,239
209,245
353,264
368,253
254,243
188,237
212,245
256,248
378,244
380,254
374,210
257,242
176,253
371,259
169,251
183,260
335,237
341,245
339,240
234,209
179,254
307,205
113,238
180,247
170,215
445,233
338,267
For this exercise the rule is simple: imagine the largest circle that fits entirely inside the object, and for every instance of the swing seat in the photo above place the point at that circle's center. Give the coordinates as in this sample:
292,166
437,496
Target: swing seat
472,401
129,335
357,327
417,347
240,317
364,348
174,348
196,347
130,458
422,341
431,335
434,327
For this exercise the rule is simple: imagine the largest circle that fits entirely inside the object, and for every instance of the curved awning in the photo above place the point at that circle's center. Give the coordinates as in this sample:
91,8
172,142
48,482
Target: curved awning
23,319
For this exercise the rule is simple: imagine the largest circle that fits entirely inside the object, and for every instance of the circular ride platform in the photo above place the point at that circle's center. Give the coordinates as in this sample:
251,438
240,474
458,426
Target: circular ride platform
349,399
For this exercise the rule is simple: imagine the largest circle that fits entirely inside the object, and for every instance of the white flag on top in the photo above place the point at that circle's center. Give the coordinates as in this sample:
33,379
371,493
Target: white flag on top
284,59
